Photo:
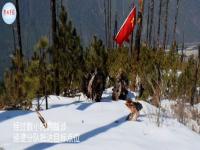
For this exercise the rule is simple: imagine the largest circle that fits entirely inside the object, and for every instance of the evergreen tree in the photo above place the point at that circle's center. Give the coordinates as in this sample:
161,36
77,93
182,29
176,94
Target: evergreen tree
96,56
38,72
70,53
14,79
118,59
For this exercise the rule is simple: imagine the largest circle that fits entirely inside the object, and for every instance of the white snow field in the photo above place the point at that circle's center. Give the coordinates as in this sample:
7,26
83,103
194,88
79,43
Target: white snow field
75,125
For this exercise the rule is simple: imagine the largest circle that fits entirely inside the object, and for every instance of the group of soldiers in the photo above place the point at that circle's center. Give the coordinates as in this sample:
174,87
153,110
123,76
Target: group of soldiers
95,82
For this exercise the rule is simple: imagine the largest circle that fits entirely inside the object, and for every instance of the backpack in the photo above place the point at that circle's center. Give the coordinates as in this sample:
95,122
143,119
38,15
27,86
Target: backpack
138,106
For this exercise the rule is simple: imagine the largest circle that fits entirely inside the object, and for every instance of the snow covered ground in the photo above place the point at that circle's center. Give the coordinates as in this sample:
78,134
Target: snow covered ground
74,125
178,110
197,106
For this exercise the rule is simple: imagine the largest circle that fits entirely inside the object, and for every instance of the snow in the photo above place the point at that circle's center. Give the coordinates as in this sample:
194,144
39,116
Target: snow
166,104
191,119
98,125
197,106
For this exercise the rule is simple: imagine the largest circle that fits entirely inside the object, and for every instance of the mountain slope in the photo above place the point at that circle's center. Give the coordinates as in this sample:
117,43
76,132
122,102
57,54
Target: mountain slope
99,126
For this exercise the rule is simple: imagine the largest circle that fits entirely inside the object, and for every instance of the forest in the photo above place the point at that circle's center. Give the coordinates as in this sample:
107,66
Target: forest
59,64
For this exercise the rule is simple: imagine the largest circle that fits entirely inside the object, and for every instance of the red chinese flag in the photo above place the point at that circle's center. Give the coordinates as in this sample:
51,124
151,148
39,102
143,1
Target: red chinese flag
127,28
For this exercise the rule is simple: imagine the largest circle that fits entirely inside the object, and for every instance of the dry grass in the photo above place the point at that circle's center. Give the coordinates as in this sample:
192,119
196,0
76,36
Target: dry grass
187,115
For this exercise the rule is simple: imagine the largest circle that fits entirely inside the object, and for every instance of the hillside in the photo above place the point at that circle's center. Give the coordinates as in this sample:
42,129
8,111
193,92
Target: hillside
98,125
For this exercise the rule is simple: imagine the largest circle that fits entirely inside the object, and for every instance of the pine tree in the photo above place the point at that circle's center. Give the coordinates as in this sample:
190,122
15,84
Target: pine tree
70,53
37,74
96,56
14,79
117,60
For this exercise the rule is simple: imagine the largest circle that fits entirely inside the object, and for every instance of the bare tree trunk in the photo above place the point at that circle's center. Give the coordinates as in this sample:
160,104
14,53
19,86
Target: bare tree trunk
131,41
55,52
154,37
46,101
115,29
151,22
19,53
38,102
183,46
199,53
195,79
159,22
14,40
175,24
158,120
139,32
105,22
165,24
110,24
131,46
148,13
19,29
61,2
194,85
